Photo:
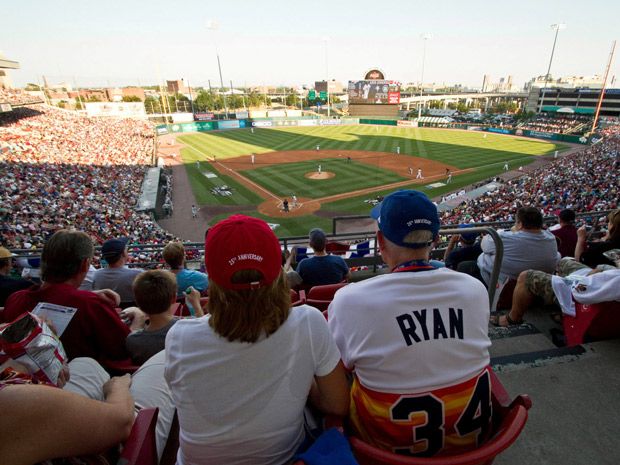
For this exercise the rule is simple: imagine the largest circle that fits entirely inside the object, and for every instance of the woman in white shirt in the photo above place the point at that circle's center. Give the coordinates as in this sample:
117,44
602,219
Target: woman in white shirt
241,375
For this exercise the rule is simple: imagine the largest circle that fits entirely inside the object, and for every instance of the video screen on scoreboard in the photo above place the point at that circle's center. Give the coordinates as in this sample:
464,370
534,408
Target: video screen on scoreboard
374,92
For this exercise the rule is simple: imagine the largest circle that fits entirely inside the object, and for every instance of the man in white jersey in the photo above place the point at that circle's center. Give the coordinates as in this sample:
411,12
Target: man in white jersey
416,339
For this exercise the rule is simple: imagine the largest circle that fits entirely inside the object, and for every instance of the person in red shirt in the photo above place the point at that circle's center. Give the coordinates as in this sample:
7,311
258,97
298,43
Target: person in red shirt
566,233
96,330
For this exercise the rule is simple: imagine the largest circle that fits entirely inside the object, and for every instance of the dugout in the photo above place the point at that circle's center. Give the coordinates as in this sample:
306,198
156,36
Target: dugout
150,201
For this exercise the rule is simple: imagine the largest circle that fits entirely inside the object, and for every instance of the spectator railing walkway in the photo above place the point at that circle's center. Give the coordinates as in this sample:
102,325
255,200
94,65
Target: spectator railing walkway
195,251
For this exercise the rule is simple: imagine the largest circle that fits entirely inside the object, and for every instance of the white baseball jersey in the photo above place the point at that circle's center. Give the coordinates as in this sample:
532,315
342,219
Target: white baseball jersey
412,331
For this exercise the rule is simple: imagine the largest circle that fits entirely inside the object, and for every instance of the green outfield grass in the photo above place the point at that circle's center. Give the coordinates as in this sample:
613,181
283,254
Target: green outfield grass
462,149
287,179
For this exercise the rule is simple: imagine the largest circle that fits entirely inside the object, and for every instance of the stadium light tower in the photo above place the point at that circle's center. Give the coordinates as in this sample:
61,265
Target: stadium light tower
213,25
424,37
326,42
557,28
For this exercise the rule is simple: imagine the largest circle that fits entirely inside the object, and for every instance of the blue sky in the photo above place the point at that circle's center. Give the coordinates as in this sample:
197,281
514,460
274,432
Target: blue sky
282,41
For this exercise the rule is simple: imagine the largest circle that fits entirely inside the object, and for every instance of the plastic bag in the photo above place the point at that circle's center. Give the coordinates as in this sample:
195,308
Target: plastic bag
31,343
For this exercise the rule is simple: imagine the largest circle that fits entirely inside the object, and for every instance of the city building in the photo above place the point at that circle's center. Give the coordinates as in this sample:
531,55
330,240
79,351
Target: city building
569,82
573,101
177,86
5,64
486,83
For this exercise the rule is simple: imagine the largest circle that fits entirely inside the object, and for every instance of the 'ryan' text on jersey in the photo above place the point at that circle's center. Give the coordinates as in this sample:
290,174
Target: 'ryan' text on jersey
423,325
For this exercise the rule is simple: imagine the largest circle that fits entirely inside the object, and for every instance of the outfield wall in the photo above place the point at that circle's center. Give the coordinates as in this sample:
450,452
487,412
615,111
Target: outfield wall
205,126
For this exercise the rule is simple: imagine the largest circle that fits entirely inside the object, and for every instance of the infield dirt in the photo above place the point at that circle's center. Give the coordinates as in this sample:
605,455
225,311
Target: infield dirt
272,206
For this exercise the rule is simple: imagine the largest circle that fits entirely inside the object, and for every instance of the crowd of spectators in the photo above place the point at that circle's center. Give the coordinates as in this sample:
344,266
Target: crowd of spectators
583,181
91,170
18,97
61,170
557,124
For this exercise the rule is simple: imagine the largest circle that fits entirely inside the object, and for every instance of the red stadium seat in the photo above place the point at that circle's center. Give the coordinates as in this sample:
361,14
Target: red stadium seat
140,448
596,321
181,309
321,296
298,297
120,367
509,418
337,248
503,293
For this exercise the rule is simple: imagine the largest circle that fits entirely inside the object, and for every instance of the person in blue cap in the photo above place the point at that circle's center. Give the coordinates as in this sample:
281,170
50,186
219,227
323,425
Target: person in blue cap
416,339
468,248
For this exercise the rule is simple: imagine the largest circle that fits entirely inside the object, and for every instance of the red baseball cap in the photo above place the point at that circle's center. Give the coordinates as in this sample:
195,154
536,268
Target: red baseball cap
242,243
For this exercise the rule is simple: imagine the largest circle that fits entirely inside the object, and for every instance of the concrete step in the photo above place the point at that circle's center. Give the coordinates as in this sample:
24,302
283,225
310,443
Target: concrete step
518,340
574,419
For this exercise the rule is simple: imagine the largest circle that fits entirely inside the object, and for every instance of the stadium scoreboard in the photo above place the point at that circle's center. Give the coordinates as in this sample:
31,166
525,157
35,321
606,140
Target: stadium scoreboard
380,92
374,89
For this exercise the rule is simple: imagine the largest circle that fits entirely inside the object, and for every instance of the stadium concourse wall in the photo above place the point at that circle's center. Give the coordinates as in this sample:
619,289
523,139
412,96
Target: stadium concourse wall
205,126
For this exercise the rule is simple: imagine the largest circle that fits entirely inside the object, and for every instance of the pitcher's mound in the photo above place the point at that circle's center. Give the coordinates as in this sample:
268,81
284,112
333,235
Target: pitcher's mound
321,175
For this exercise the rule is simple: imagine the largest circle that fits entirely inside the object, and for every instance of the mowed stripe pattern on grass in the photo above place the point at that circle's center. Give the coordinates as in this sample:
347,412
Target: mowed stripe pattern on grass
462,149
287,179
201,185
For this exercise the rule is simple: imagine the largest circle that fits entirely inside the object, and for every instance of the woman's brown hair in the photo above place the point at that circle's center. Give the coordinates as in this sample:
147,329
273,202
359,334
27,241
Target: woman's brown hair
613,234
244,315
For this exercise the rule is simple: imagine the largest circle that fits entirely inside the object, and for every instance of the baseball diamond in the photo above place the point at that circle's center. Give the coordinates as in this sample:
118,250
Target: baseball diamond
358,162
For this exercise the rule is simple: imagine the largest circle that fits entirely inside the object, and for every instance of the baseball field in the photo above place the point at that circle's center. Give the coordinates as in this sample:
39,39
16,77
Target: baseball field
328,171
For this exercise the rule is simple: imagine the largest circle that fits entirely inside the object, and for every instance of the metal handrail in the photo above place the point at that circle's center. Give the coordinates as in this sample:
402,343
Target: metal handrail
499,254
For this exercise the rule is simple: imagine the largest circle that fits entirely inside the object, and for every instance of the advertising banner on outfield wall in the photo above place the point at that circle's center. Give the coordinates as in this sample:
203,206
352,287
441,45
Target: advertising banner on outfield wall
262,124
285,122
329,122
406,123
308,122
162,129
241,114
500,130
541,135
231,124
193,127
228,124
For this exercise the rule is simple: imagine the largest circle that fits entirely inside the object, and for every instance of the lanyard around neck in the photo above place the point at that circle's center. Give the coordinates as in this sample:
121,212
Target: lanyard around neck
414,265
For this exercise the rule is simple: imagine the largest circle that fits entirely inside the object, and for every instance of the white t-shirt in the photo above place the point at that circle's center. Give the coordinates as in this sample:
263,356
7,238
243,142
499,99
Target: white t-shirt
523,250
242,403
377,325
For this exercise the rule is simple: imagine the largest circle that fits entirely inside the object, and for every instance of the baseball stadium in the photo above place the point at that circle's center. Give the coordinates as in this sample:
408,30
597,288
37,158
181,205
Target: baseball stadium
375,272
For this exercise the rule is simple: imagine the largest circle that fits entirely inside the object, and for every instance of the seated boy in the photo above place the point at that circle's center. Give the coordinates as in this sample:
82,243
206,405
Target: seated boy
155,292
